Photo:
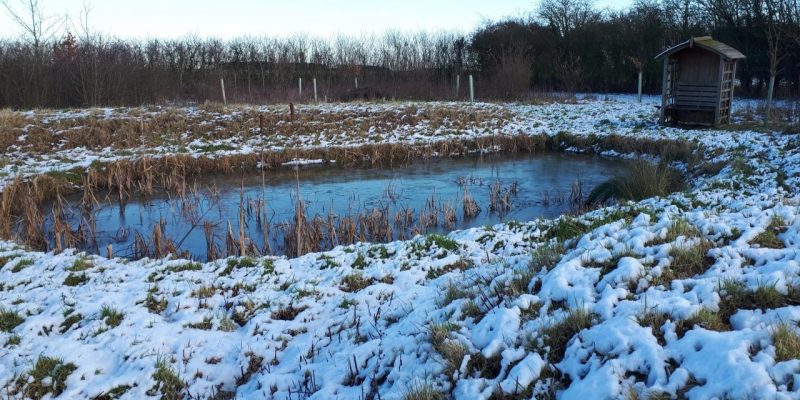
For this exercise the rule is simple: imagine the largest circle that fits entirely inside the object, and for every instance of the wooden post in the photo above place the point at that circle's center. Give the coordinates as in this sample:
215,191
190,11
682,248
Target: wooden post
299,89
222,84
639,96
770,92
458,84
315,89
356,82
664,90
471,90
109,251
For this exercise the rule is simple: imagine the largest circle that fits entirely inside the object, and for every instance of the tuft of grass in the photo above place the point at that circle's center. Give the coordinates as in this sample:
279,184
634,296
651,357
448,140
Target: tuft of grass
189,266
21,264
690,261
640,181
153,304
680,227
557,336
205,292
452,352
360,262
242,262
441,241
80,264
69,321
546,256
9,320
75,279
423,391
206,324
168,383
13,340
735,296
48,376
354,282
287,313
786,342
655,320
227,325
769,238
452,294
709,320
461,264
112,316
566,228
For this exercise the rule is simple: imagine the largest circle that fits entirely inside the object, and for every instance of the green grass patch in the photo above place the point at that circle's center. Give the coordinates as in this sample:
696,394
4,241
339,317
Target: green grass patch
21,264
557,336
360,262
168,383
70,321
112,316
48,376
9,320
689,261
189,266
153,304
441,241
80,264
75,279
769,238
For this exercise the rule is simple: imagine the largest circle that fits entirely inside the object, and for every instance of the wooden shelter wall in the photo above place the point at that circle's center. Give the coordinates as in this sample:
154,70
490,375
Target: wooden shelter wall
698,65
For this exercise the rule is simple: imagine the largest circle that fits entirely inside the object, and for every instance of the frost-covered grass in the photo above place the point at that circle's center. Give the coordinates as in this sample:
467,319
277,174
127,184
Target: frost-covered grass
693,294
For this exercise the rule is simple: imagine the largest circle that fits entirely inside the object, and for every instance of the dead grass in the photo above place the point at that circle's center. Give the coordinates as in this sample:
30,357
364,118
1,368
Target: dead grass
354,282
424,391
786,342
451,351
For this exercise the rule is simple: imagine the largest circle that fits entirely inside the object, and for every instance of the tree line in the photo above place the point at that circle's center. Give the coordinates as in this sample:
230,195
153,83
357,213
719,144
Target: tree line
562,45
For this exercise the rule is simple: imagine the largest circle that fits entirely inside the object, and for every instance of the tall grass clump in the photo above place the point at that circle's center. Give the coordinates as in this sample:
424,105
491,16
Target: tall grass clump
786,342
640,181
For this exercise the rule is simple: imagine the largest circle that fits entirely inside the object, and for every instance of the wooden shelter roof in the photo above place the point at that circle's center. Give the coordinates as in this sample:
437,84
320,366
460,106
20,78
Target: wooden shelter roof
705,42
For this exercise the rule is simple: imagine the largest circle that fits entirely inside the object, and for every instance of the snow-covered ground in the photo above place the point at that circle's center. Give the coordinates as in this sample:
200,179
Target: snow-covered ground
606,305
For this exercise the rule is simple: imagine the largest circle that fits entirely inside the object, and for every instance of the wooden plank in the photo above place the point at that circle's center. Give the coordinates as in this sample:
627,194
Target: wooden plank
697,89
664,90
697,95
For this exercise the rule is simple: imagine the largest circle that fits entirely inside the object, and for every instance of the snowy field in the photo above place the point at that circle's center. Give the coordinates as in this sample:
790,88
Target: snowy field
696,295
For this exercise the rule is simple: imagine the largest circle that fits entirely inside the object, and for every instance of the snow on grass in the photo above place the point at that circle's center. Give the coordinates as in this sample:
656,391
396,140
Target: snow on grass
696,294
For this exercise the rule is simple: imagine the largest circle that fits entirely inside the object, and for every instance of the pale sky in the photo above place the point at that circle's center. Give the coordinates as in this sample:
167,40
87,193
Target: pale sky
236,18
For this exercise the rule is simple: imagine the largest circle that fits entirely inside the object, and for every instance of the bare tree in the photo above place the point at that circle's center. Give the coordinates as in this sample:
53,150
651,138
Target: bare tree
29,15
567,15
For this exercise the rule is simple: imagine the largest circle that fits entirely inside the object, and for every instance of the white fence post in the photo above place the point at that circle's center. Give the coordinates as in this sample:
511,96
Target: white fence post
356,82
471,90
458,84
299,89
222,85
639,96
315,89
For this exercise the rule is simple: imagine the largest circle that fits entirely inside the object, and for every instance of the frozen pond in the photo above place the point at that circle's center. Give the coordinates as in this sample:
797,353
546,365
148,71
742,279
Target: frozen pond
342,205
